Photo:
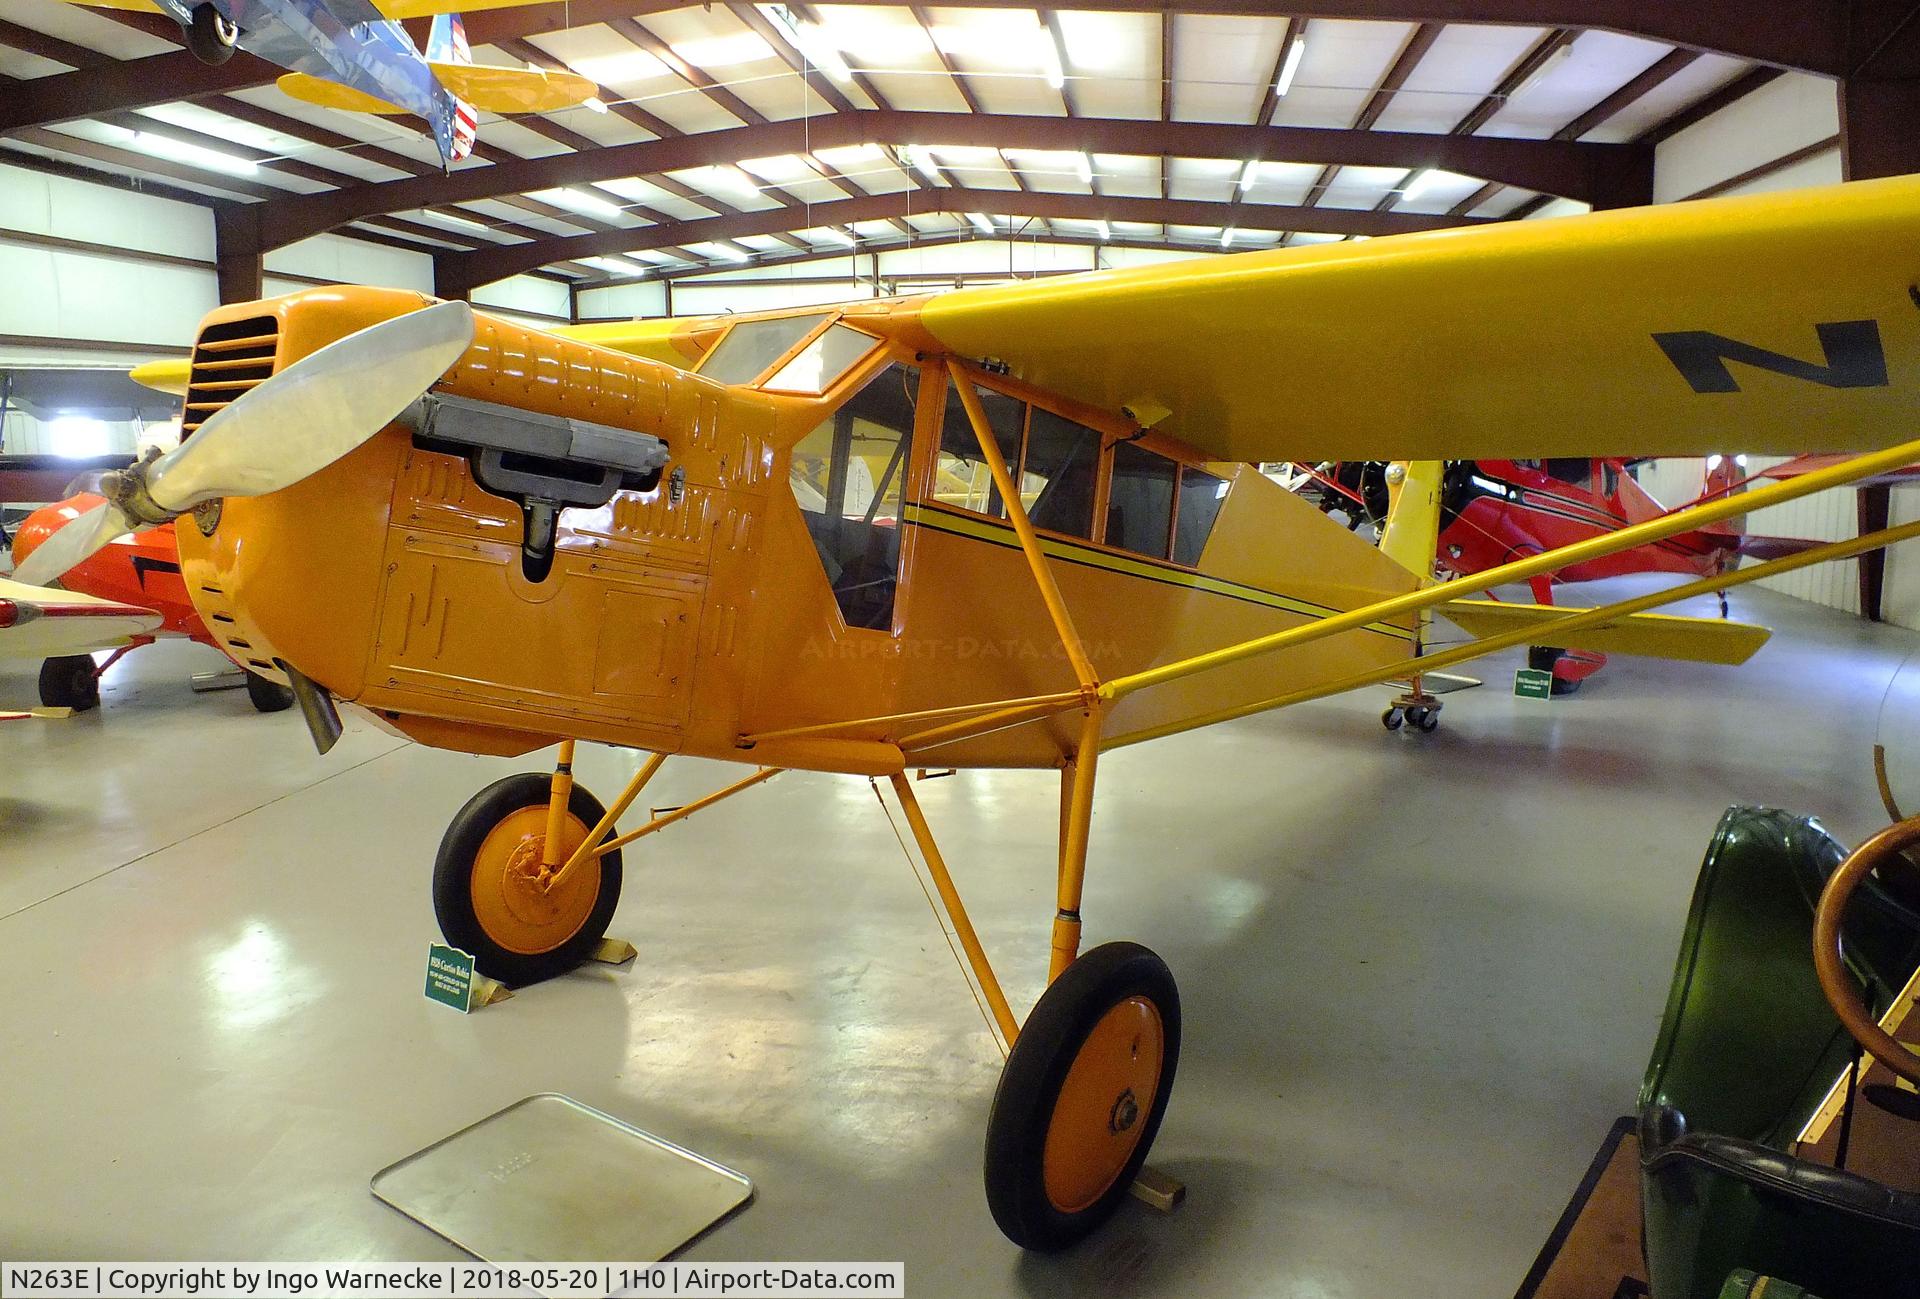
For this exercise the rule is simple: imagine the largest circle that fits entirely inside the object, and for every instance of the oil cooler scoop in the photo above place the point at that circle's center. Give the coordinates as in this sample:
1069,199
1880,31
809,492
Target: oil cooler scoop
542,462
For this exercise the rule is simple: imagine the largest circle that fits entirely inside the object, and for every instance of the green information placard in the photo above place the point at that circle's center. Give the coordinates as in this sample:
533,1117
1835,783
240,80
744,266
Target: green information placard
1533,683
450,977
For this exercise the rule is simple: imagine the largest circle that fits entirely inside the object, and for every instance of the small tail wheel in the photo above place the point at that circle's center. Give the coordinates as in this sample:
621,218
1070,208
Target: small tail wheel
70,681
1392,718
1426,720
268,696
1082,1096
487,890
211,36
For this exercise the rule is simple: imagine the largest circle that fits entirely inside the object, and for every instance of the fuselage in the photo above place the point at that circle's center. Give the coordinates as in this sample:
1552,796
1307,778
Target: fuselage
823,545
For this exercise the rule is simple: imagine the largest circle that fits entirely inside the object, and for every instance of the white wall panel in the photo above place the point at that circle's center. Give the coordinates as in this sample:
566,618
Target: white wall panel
528,294
631,301
354,261
691,300
72,209
54,295
1788,113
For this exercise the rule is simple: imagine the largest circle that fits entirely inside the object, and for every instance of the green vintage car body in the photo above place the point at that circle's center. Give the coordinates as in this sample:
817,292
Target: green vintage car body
1747,1050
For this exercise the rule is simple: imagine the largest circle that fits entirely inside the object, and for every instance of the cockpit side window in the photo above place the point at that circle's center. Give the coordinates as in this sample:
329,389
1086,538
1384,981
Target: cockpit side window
961,476
849,477
1064,457
751,346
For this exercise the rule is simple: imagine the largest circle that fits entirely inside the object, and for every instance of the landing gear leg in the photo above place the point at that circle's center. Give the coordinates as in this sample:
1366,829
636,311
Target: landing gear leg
1416,709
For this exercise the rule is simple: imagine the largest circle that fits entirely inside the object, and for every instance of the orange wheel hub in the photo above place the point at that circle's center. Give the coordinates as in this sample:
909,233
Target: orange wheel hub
513,906
1103,1105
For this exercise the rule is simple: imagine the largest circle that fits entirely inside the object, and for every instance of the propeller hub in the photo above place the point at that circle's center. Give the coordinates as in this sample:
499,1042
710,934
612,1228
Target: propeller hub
127,489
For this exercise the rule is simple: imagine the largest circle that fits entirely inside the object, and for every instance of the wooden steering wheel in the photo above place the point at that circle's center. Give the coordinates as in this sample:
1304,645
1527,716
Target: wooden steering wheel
1843,992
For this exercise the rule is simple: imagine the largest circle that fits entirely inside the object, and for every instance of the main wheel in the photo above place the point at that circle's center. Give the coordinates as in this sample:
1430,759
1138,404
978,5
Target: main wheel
1392,718
486,890
268,696
70,681
1428,720
210,36
1082,1096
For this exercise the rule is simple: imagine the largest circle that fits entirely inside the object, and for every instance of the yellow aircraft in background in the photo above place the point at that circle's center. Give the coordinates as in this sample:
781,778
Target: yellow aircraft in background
1015,526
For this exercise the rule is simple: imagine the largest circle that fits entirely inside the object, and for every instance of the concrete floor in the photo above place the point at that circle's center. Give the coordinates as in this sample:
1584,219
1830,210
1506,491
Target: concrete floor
1421,974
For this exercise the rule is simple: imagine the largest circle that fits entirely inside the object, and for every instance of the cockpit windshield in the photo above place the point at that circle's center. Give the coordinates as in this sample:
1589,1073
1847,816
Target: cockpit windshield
751,347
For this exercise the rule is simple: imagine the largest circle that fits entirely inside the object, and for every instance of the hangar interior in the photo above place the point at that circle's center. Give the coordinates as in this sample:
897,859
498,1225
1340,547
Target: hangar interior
1420,975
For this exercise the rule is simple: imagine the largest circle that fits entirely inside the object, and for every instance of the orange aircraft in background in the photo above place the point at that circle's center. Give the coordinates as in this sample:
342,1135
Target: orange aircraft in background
141,570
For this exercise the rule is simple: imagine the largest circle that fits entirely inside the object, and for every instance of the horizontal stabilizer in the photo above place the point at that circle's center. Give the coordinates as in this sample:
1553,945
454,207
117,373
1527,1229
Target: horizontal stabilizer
1655,635
331,94
513,90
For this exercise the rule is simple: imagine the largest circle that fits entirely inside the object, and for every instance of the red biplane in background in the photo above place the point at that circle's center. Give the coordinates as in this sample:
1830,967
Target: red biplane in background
1495,511
141,571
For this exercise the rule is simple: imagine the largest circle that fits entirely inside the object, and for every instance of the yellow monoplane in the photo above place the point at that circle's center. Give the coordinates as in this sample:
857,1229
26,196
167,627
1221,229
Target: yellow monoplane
1004,527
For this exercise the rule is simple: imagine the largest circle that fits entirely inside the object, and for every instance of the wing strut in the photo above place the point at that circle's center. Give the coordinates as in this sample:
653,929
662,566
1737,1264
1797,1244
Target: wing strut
1547,561
1555,628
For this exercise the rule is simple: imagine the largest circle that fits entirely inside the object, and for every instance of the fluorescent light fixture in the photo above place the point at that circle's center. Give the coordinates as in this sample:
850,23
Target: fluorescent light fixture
613,264
1291,67
1084,164
595,103
166,147
1052,58
1106,231
453,220
921,161
1421,182
810,40
1247,174
733,254
730,180
981,222
1226,237
839,236
578,201
1539,74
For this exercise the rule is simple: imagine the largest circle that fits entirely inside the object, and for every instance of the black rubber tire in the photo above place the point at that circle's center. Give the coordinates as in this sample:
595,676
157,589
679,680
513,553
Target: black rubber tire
210,37
268,696
1392,719
1035,1072
1428,722
71,681
453,876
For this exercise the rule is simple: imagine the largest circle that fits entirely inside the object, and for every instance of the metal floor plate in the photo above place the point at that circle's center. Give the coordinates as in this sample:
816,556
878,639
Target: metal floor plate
550,1180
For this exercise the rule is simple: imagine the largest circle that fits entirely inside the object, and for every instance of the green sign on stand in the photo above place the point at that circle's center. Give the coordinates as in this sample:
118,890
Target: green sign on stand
1532,683
450,977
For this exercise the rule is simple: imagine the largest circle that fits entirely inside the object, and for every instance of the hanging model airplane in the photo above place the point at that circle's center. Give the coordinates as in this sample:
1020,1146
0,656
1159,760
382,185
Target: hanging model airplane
931,531
1493,511
349,55
139,571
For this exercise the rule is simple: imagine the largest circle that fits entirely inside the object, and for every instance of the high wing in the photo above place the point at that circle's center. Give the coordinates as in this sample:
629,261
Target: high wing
1655,635
36,622
1762,323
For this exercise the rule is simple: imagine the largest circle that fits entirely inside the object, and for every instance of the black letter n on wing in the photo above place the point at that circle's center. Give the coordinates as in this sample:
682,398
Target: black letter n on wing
1854,357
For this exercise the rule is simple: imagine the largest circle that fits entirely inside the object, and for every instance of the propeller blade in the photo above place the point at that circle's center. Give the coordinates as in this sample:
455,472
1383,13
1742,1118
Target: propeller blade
313,412
73,543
